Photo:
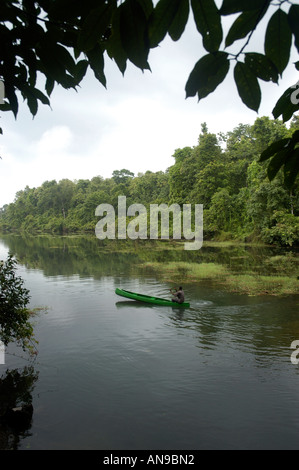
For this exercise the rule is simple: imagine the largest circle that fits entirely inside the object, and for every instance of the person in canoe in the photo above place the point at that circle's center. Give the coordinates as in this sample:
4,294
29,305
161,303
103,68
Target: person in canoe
178,295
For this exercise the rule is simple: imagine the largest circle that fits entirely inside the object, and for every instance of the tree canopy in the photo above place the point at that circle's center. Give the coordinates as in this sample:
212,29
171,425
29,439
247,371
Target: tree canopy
61,39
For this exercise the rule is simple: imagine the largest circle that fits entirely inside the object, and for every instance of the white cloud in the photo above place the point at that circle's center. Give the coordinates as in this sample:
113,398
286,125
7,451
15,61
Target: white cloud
54,141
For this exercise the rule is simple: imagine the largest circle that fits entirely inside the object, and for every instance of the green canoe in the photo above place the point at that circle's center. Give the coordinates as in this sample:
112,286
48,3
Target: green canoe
149,299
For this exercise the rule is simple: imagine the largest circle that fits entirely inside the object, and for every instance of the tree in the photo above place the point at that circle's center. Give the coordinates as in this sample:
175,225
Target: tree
182,175
239,153
208,148
210,179
14,314
149,188
61,39
284,229
220,213
65,190
122,176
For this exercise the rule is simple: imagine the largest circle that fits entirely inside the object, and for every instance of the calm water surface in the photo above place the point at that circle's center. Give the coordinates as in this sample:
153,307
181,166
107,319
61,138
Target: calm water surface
114,374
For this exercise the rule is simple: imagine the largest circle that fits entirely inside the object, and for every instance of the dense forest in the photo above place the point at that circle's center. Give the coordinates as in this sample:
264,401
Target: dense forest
222,172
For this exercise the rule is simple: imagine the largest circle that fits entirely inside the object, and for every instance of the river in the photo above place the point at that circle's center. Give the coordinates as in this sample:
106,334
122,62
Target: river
112,374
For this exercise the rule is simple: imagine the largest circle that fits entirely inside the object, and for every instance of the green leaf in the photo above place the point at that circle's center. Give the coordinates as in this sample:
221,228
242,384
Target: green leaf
32,104
49,85
276,163
54,61
147,6
114,45
277,146
12,98
32,76
286,106
80,70
94,26
295,138
29,58
40,96
208,23
32,95
291,168
234,6
61,9
179,22
243,25
248,86
96,61
22,73
297,65
5,107
207,74
133,33
64,58
261,66
161,19
285,153
293,19
278,40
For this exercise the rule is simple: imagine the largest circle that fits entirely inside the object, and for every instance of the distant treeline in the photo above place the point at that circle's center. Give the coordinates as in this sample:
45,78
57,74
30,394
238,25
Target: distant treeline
221,172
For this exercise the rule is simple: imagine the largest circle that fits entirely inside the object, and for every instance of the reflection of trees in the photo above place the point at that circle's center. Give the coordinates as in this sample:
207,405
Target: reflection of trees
88,256
15,392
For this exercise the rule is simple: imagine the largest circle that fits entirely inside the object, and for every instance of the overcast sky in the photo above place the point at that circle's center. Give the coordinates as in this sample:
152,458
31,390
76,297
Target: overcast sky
136,123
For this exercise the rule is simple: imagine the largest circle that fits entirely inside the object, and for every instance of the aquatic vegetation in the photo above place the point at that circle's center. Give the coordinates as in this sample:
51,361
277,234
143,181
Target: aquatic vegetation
245,283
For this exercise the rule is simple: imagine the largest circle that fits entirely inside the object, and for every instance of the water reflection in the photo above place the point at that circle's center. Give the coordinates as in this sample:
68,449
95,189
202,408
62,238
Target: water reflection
16,388
88,256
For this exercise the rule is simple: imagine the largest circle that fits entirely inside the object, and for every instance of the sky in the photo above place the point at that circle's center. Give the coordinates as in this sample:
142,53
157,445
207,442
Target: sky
136,123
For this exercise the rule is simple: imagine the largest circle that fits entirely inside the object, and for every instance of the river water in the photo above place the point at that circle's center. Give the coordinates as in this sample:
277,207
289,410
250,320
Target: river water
114,374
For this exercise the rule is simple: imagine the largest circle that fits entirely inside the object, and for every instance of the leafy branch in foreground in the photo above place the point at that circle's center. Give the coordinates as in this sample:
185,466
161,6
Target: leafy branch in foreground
15,323
284,152
62,39
280,30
